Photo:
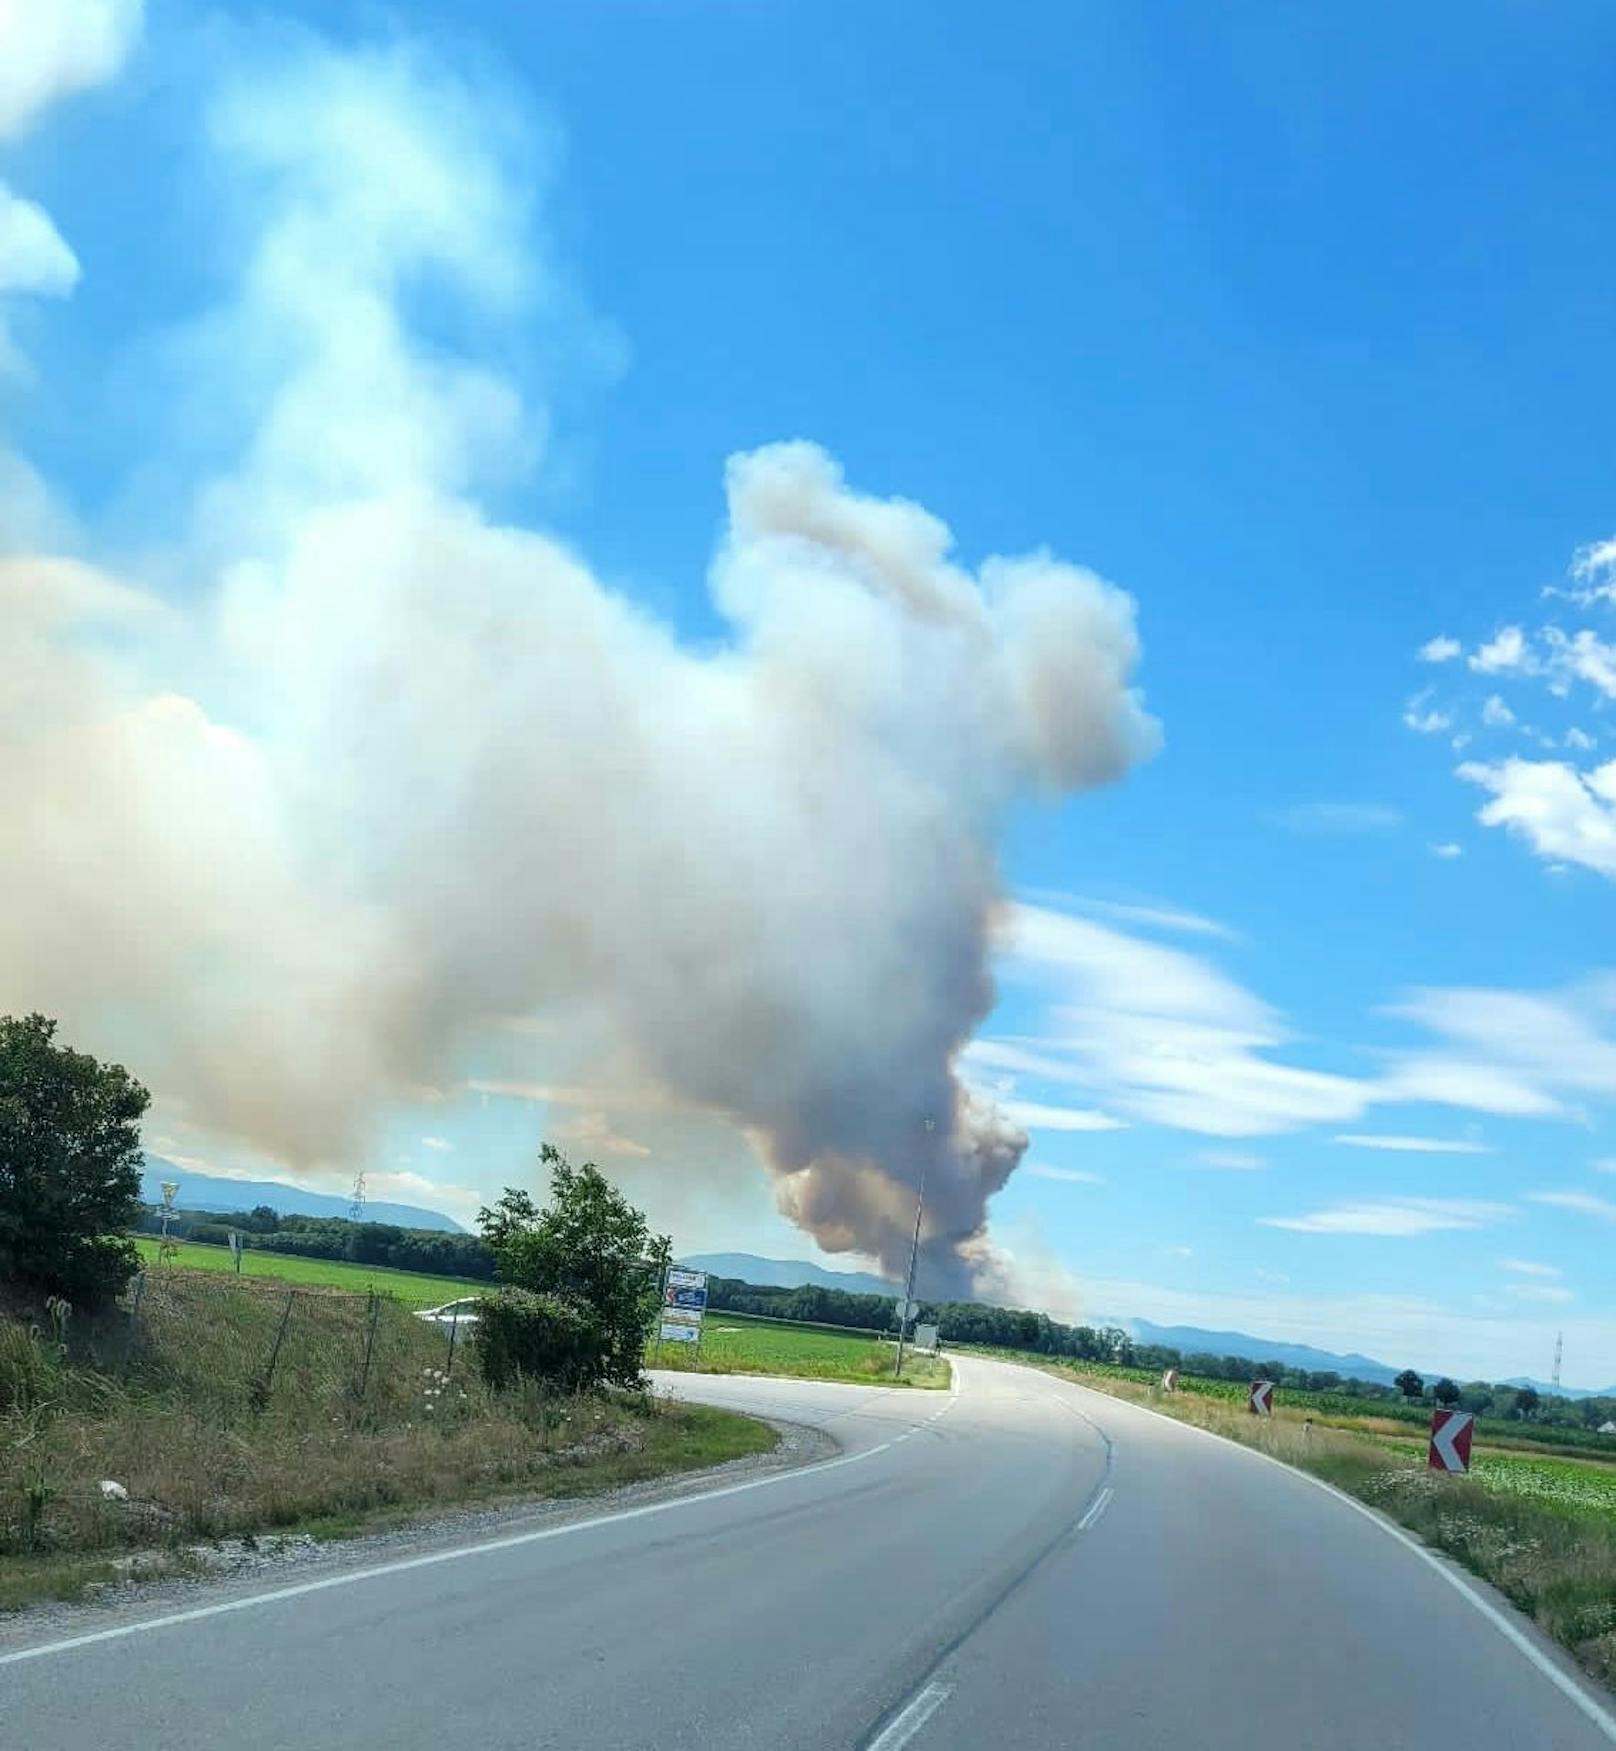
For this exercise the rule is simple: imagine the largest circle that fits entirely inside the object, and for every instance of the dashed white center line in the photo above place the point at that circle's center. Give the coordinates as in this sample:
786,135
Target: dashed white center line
911,1718
1099,1505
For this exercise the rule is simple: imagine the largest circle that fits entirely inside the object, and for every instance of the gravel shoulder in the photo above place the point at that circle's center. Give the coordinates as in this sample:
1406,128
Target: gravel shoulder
210,1574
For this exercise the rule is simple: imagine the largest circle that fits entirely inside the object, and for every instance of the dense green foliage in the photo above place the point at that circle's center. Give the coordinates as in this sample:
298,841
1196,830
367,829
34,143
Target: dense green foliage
589,1249
733,1343
542,1337
69,1166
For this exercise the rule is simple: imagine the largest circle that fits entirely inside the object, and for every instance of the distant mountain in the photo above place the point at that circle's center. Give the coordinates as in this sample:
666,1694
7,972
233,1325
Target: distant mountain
201,1191
786,1273
1190,1339
1546,1389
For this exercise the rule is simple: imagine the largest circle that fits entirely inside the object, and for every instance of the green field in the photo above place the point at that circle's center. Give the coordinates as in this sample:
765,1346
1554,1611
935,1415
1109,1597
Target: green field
409,1287
737,1343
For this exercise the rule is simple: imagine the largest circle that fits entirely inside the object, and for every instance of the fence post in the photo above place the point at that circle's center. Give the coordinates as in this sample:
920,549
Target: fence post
260,1392
370,1341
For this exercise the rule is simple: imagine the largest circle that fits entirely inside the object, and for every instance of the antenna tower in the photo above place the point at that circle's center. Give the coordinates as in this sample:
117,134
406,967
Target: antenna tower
1559,1345
356,1203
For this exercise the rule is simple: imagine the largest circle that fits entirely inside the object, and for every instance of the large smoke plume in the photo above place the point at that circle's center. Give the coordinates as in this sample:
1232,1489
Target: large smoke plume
374,772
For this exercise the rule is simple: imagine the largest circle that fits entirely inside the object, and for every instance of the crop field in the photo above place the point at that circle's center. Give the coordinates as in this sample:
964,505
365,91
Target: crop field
1572,1484
736,1343
409,1287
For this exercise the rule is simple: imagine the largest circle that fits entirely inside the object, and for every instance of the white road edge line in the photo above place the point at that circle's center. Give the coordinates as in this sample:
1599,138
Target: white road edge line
1568,1686
903,1726
1097,1508
352,1577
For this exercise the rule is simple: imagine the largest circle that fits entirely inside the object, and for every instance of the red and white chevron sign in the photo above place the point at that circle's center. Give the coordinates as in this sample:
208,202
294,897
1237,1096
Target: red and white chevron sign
1262,1398
1450,1440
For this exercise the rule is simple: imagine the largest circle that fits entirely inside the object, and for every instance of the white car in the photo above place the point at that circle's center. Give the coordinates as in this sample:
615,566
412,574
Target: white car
461,1313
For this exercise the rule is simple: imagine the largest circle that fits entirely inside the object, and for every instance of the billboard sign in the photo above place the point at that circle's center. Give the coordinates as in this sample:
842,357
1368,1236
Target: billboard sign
677,1332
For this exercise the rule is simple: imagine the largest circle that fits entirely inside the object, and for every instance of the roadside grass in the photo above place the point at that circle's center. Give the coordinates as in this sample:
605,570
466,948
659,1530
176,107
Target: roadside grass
177,1409
410,1287
738,1343
1542,1530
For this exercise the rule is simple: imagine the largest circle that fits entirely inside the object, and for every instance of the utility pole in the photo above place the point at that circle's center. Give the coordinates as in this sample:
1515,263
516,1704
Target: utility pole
1559,1345
914,1252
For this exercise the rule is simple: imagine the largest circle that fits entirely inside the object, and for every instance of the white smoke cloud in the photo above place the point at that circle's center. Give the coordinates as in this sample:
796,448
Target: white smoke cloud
391,772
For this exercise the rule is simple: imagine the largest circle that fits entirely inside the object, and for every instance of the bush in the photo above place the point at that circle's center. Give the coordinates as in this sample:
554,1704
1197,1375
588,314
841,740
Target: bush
522,1334
25,1370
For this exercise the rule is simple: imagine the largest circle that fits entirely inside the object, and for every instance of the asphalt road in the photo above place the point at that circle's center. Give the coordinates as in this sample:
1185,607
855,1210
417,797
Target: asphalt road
1021,1565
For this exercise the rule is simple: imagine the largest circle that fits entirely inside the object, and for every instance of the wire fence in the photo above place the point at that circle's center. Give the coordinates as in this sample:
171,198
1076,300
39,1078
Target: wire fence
240,1343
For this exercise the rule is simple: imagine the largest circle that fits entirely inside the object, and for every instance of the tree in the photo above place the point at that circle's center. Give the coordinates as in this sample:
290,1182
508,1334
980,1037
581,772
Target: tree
591,1248
69,1165
1409,1384
1526,1402
1446,1391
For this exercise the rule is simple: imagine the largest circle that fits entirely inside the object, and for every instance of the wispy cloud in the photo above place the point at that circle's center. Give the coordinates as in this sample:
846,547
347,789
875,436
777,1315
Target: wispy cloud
1040,1116
1447,849
1440,649
1425,719
1538,1292
1394,1218
1229,1160
1528,1268
436,1143
1340,818
1584,1203
1076,1176
1411,1145
1162,1035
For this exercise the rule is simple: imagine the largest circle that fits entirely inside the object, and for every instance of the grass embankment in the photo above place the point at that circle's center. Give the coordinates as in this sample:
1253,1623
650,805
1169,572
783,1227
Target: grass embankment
412,1288
738,1343
178,1407
1542,1530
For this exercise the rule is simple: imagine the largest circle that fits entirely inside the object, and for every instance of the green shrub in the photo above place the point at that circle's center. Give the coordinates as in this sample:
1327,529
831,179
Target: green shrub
525,1334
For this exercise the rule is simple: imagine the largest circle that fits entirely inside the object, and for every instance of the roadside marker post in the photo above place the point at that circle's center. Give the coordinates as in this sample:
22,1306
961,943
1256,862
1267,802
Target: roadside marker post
1451,1432
1261,1401
1169,1380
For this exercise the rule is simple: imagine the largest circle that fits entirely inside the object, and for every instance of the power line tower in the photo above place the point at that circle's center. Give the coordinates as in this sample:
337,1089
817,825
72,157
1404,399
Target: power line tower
356,1202
1559,1346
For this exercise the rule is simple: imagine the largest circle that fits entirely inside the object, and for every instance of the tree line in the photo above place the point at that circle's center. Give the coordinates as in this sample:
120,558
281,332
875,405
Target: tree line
428,1250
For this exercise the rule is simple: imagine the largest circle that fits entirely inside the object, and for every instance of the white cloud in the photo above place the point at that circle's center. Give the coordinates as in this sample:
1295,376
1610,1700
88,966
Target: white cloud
1594,569
1440,649
1584,1203
1161,1035
1181,1252
1411,1145
1263,1276
1606,1164
1496,714
1230,1160
1394,1218
1423,718
1040,1116
1528,1268
33,256
1580,740
1538,1292
1561,813
1447,849
436,1143
1076,1176
1507,653
1581,656
1343,818
52,48
1173,918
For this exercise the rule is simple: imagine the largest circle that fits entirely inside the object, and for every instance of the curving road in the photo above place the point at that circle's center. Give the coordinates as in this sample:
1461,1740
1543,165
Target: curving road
1019,1564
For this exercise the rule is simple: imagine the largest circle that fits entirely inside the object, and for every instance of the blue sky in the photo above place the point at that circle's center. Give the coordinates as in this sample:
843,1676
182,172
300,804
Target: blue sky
1299,332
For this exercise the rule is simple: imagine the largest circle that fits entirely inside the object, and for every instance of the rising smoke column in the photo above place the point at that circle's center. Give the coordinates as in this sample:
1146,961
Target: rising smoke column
393,773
